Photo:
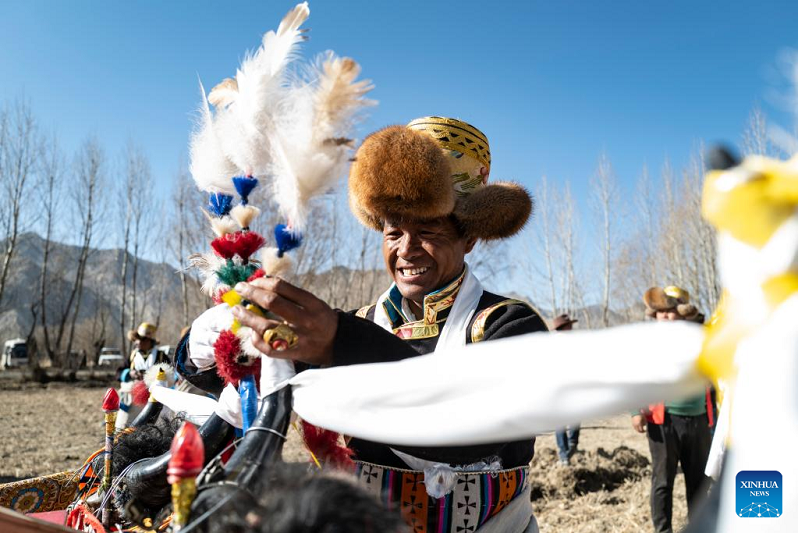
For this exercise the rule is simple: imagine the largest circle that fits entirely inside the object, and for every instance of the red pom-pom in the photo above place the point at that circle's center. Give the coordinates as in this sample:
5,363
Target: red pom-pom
241,243
228,354
259,273
188,454
325,446
139,393
111,400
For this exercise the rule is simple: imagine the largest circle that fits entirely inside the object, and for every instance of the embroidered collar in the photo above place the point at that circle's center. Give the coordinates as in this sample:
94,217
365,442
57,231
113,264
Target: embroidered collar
436,308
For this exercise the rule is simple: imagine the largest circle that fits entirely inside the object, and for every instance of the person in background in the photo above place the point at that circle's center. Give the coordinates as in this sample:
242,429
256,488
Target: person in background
678,431
568,437
145,349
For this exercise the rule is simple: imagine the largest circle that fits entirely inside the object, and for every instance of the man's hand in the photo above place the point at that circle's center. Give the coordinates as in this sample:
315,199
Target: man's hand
639,423
314,322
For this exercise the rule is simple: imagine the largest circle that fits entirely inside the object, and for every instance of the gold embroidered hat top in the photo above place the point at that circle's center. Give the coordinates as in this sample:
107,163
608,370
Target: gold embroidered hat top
466,147
431,168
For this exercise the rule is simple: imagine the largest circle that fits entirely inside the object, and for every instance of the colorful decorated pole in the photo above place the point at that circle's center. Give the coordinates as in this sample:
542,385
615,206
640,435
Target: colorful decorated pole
289,131
111,407
188,454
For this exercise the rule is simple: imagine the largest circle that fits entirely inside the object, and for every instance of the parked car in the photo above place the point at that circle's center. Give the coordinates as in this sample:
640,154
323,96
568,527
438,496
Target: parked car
111,357
15,354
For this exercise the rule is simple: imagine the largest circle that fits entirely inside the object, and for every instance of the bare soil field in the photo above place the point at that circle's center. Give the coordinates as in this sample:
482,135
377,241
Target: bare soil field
52,428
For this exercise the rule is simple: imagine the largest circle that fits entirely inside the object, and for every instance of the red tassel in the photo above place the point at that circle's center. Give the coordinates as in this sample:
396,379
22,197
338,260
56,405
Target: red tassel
139,393
240,243
227,351
324,445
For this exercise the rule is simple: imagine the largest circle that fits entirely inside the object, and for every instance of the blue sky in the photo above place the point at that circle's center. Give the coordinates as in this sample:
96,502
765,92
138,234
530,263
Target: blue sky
552,84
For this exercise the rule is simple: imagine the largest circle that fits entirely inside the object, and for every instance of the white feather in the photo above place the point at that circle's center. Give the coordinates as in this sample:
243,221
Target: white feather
224,93
211,169
310,142
207,265
261,84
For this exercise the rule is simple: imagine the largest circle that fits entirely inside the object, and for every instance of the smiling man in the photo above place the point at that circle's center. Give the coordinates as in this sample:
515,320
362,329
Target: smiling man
424,186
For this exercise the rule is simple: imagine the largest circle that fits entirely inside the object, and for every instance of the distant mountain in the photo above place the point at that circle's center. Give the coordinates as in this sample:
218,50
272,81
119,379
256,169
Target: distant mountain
159,291
159,297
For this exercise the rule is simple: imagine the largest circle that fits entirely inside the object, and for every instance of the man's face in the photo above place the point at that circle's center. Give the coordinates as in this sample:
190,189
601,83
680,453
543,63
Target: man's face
669,315
144,344
422,256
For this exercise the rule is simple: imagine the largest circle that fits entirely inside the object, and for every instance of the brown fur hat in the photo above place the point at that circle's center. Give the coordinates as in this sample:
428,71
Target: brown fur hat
659,299
399,173
495,211
404,173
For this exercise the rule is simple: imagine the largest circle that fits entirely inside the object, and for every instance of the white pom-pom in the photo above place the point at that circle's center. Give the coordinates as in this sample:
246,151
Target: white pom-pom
223,226
274,265
244,214
244,335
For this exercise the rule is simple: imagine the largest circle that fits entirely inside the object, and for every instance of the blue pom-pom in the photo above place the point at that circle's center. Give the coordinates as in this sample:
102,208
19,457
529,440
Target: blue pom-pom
245,185
286,239
220,204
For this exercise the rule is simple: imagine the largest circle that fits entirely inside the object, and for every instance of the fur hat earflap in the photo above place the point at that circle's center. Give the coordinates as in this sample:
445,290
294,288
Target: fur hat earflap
495,211
398,172
687,311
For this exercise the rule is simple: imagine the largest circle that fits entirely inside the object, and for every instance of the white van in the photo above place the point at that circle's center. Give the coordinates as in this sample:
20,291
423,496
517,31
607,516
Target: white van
15,354
111,357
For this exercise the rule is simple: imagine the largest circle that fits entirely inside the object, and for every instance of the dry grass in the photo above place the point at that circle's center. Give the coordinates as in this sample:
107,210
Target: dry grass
53,428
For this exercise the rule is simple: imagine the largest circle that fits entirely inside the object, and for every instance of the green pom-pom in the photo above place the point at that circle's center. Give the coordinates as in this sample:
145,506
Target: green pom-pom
230,274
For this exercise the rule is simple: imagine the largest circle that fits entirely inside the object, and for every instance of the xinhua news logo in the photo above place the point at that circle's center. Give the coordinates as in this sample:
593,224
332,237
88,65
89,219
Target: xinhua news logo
759,494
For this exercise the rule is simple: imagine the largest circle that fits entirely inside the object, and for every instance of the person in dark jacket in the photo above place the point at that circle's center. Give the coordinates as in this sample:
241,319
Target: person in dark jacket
679,432
567,438
424,186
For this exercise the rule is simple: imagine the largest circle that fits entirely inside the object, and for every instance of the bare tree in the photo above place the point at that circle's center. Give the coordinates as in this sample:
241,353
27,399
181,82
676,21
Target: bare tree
125,199
546,212
188,232
565,230
605,199
136,199
19,153
646,222
700,236
88,175
51,170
